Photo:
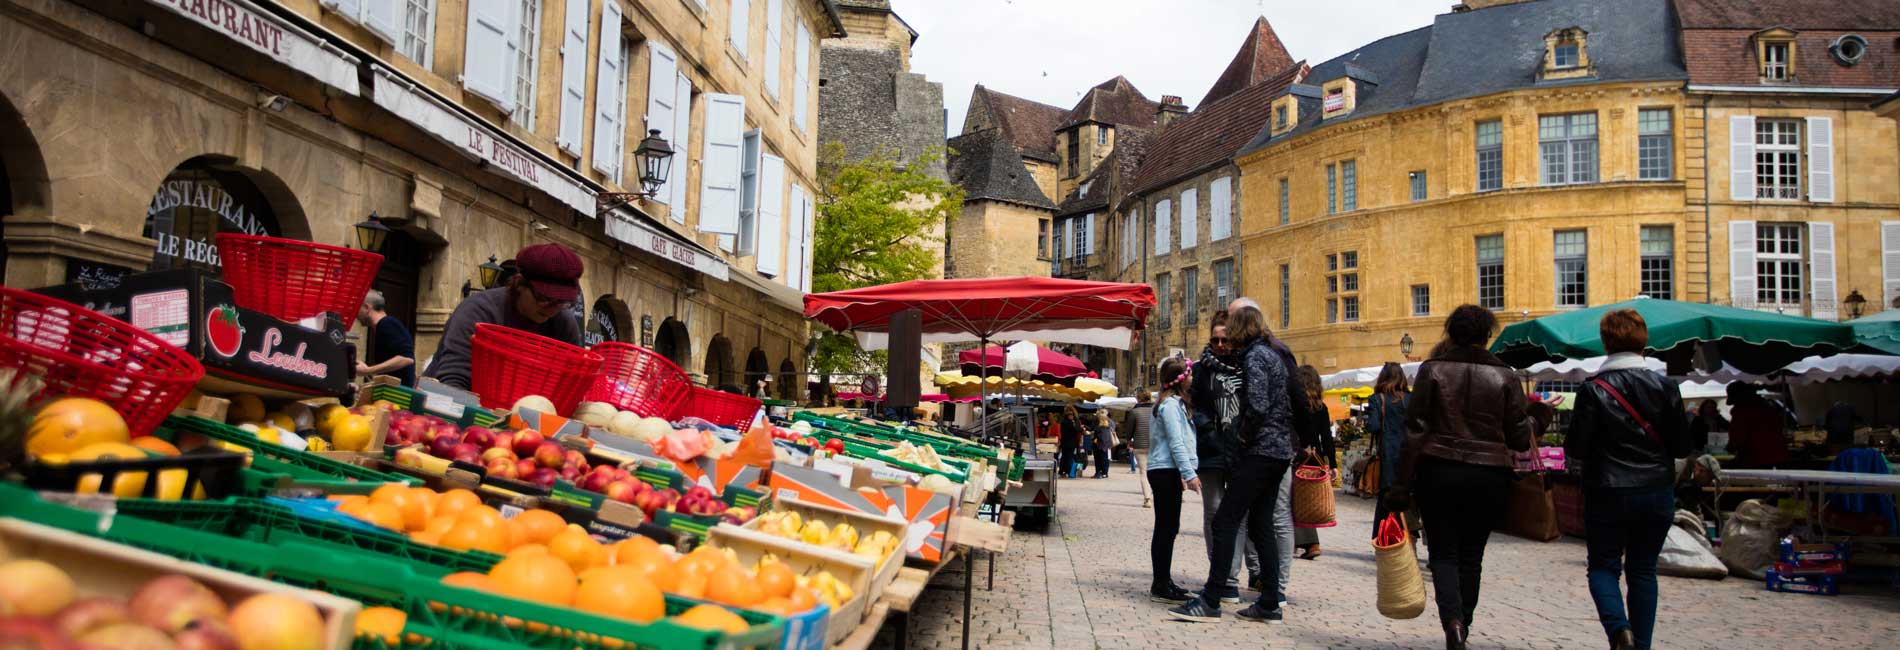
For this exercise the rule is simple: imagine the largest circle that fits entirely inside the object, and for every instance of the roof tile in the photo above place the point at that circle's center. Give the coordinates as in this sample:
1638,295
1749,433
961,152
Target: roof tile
1260,57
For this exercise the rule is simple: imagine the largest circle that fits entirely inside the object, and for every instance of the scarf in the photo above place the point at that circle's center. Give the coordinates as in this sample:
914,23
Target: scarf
1224,379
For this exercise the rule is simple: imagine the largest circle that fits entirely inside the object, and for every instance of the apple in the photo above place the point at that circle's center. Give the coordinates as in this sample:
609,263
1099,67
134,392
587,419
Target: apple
127,636
544,477
570,472
699,492
549,454
170,602
206,634
479,436
527,441
639,486
670,496
412,427
87,614
575,458
504,440
647,501
619,491
444,446
502,468
621,474
595,481
439,428
525,467
493,453
466,453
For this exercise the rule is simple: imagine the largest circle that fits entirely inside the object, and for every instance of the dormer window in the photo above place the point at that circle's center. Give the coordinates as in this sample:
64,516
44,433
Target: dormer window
1849,49
1774,61
1279,117
1775,51
1286,113
1337,98
1566,54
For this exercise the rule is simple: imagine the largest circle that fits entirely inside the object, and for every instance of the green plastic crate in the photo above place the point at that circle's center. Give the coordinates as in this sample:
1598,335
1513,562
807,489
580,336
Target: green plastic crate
299,464
412,400
471,617
262,521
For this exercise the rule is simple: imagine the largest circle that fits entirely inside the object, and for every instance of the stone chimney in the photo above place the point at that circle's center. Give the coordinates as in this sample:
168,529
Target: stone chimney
1171,110
1474,5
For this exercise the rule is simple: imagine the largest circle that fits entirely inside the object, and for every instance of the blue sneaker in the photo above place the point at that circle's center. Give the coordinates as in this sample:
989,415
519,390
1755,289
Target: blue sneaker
1196,611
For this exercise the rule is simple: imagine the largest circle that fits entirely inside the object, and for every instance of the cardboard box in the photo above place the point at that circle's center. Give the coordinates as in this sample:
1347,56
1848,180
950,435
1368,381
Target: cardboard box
1807,554
886,569
931,515
242,350
1819,569
805,559
1821,585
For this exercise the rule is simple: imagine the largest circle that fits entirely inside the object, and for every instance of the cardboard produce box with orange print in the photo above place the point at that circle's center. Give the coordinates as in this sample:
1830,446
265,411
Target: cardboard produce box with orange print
930,514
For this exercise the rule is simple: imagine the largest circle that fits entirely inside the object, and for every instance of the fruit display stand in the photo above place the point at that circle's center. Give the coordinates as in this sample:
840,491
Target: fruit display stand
805,559
886,567
102,568
308,464
279,521
386,389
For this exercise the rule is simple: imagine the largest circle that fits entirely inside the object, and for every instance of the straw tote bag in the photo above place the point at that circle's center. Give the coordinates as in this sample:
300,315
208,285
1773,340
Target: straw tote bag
1313,497
1401,586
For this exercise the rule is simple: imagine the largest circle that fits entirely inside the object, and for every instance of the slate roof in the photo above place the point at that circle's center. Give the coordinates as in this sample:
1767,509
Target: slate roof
1029,124
1718,44
1115,102
1881,15
1212,134
1261,56
1502,48
1130,145
988,167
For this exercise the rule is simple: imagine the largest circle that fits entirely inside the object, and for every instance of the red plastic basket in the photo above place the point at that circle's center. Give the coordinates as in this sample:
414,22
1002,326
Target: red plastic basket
721,408
83,353
507,364
633,378
293,280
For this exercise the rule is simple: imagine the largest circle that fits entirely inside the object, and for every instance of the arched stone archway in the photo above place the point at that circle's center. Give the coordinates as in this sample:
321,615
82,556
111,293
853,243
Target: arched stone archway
674,342
719,368
608,320
23,183
757,371
209,194
787,380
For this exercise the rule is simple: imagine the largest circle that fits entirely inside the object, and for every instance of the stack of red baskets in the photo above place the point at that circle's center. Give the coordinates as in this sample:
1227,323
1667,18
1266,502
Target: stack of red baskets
292,280
636,379
79,352
507,364
721,408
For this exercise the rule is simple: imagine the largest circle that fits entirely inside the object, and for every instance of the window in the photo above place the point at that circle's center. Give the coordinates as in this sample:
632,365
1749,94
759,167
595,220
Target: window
618,146
1082,239
1571,250
1164,224
1164,310
1332,189
1421,300
1042,239
1223,283
1657,270
1286,296
1220,208
1190,218
1491,271
774,45
1075,153
1490,143
741,26
1778,265
1342,287
1568,144
801,73
1058,245
1285,215
1848,49
1565,55
752,147
1349,185
1279,117
418,31
526,69
1777,159
1190,296
1655,147
1101,136
1417,179
1774,61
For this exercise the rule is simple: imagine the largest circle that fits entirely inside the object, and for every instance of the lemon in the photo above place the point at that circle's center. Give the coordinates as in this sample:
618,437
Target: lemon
351,433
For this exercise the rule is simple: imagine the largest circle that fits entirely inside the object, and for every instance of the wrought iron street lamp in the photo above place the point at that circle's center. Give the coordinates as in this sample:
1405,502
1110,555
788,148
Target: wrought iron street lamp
1405,345
654,157
1856,303
371,234
490,276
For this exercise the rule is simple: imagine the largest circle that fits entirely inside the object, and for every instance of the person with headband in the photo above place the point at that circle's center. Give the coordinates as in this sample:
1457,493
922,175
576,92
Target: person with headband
1172,467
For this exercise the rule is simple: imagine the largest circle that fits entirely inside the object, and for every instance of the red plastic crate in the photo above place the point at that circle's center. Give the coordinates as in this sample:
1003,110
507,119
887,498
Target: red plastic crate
507,364
633,378
721,408
293,280
79,352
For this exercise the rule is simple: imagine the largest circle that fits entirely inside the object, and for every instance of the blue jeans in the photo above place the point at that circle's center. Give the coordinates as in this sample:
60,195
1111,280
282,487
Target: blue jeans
1625,531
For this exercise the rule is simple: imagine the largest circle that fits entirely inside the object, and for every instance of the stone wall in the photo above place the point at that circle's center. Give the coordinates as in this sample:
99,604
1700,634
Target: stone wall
992,239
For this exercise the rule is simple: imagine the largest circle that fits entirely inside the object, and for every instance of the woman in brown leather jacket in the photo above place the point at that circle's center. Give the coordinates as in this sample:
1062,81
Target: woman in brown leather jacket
1468,413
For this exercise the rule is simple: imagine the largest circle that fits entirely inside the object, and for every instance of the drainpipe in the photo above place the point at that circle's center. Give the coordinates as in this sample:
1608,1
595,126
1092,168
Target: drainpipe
1141,365
1708,231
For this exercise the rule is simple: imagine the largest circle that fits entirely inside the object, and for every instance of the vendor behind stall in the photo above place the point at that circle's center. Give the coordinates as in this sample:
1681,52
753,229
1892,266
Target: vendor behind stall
391,350
536,299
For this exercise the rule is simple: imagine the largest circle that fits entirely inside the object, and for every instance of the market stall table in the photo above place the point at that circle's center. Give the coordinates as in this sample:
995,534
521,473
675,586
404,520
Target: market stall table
1814,485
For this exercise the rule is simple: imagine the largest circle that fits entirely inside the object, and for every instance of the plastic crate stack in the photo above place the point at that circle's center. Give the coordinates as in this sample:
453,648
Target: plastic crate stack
1808,568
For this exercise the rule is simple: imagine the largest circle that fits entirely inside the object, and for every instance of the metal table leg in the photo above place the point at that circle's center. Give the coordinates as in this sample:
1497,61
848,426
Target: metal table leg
969,570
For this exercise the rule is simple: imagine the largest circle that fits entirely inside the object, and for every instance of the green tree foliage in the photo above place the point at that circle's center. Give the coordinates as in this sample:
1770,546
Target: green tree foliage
876,224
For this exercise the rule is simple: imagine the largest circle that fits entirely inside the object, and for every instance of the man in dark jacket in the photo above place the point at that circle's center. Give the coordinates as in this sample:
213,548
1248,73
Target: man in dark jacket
1215,392
537,299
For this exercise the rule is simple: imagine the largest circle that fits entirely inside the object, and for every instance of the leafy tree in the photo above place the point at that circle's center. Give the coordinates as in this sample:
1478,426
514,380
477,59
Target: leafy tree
875,225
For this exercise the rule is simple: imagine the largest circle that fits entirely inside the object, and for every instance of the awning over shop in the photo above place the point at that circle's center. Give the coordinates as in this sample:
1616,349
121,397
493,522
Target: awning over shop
477,139
255,28
636,230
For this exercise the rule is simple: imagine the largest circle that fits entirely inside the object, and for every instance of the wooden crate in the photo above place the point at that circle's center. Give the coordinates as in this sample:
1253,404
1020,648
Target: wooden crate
102,568
886,569
805,559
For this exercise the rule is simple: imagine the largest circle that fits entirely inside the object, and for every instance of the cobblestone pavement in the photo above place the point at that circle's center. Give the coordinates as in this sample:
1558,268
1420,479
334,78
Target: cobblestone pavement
1084,583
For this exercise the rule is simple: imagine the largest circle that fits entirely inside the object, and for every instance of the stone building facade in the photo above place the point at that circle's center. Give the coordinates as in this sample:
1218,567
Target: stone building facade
133,130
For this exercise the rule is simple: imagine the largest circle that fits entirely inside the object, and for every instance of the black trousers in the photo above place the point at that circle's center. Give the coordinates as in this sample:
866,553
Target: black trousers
1167,491
1251,493
1101,461
1461,503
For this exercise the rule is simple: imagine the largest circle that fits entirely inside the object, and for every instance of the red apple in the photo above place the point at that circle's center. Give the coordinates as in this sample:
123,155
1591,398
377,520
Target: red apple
527,441
172,601
549,454
466,453
575,458
595,481
502,468
619,491
570,472
444,446
440,428
504,440
493,453
639,486
87,614
413,428
206,634
479,436
621,474
544,477
525,467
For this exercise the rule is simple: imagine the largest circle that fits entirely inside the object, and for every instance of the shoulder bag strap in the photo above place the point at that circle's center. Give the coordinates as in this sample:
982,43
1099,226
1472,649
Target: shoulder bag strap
1627,408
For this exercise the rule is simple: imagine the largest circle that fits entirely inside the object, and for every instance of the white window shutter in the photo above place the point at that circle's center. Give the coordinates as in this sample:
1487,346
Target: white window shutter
1821,267
677,180
662,73
573,76
795,248
351,9
1889,263
1190,218
801,77
771,218
1162,217
1741,264
721,164
741,25
774,44
488,60
1089,226
1220,199
1821,160
607,82
811,245
1741,165
750,152
384,18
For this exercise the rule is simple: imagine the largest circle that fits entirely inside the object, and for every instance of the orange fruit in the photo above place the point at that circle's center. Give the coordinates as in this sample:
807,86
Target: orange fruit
620,592
712,617
525,549
465,580
540,578
776,605
656,566
381,622
439,525
67,425
416,509
425,537
465,536
691,586
382,515
626,550
776,580
537,526
577,548
453,502
155,444
803,600
733,586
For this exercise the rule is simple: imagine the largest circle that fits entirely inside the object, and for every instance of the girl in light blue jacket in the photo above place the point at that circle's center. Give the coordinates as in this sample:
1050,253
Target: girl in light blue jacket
1171,470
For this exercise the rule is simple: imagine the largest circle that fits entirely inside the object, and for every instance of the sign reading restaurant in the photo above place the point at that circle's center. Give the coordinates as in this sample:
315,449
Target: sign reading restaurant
245,23
194,203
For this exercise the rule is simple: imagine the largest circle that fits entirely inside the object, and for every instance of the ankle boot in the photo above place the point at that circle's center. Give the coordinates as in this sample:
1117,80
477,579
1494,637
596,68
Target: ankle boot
1624,639
1454,635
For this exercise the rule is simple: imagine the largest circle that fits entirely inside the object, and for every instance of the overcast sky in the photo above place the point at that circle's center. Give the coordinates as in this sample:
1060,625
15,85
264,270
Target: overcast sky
1052,50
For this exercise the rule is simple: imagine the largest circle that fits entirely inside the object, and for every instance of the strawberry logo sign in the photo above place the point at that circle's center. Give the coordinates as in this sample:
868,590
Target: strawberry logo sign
222,330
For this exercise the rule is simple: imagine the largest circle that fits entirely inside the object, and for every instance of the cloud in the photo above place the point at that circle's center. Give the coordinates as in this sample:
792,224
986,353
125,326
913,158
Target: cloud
1052,50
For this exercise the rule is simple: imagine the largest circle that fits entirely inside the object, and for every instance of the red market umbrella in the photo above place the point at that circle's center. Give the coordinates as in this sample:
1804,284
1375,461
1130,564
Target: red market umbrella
1051,366
1105,314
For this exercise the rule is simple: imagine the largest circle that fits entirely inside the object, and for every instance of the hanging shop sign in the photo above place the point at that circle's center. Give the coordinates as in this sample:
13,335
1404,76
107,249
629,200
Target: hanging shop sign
628,229
195,203
255,28
477,139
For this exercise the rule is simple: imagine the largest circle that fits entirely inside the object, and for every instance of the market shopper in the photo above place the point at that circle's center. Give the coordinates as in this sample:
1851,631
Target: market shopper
390,349
1625,432
1756,433
1171,469
535,299
1385,419
1316,431
1104,441
1266,437
1138,424
1468,413
1069,430
1215,394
